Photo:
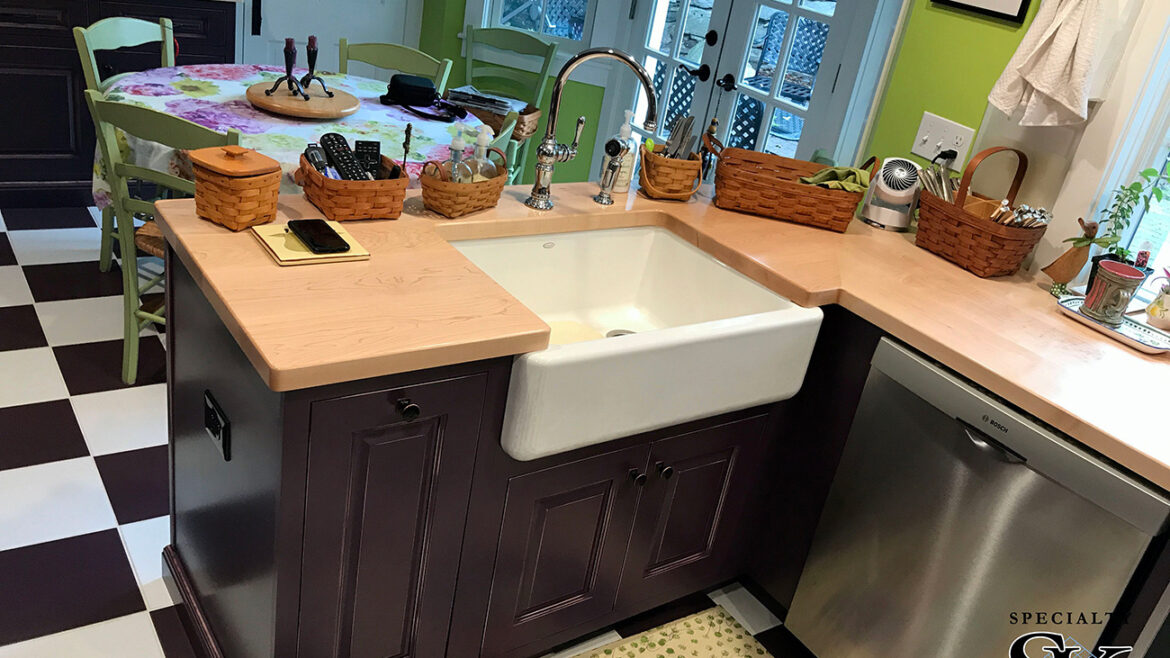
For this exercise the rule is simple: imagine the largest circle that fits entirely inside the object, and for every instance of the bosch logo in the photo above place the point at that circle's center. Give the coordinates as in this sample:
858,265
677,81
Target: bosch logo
991,421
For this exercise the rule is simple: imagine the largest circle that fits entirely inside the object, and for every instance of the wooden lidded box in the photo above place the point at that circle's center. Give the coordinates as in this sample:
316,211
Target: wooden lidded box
234,186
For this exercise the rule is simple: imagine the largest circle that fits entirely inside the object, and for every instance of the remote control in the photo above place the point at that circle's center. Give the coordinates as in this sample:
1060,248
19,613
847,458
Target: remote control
369,153
342,158
316,156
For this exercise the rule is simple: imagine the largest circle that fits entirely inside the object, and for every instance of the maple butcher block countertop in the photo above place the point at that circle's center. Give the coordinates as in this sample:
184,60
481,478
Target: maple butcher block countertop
418,303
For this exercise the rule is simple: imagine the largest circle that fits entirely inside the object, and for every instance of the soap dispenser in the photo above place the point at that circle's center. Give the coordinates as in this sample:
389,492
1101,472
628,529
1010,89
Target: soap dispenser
625,136
454,169
482,168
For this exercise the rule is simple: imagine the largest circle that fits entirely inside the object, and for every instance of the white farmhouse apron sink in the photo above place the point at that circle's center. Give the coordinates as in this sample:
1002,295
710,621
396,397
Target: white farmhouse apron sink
648,331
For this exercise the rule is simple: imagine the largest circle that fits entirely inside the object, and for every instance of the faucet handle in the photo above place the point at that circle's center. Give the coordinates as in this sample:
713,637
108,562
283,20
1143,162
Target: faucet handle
577,135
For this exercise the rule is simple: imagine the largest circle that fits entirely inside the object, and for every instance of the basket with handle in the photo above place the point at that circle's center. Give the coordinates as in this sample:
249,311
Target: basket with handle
769,185
526,122
342,200
457,199
661,177
964,233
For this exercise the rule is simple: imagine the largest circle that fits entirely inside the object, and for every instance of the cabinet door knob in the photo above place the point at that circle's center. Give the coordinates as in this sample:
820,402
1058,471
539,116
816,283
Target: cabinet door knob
666,472
408,409
637,477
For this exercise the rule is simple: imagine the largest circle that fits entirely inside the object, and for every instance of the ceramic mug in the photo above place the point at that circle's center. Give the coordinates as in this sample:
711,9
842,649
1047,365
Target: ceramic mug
1112,291
1159,309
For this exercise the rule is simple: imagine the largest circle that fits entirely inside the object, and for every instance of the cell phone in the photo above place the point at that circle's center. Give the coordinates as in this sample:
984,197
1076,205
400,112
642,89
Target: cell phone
318,236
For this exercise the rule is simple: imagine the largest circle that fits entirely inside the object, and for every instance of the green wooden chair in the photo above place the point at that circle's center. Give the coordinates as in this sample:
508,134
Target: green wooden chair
120,32
110,34
522,85
165,129
398,58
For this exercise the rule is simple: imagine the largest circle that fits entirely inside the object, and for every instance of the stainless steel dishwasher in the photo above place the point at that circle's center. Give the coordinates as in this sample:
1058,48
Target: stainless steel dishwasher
952,516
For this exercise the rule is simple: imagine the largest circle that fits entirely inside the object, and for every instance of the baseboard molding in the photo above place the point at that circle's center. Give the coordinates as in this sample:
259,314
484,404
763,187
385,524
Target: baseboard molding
68,194
179,584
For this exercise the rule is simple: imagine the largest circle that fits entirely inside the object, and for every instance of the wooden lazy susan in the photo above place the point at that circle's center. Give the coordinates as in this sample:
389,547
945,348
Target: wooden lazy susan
319,106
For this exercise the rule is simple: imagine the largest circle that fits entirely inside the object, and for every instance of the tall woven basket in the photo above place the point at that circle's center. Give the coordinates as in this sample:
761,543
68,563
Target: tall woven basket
769,185
661,177
963,232
342,200
453,200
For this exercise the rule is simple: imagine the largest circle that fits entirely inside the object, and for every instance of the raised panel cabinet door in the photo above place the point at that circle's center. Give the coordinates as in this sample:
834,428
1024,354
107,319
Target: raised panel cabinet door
562,544
687,531
386,502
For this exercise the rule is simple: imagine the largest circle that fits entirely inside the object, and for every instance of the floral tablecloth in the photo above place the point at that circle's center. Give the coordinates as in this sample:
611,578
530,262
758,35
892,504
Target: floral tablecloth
212,95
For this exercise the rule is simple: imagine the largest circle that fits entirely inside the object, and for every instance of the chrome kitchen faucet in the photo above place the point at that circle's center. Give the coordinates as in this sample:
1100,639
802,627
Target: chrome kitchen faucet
550,152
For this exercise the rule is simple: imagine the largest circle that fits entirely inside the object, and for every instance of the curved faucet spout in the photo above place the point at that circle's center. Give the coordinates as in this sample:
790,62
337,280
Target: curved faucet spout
549,151
650,123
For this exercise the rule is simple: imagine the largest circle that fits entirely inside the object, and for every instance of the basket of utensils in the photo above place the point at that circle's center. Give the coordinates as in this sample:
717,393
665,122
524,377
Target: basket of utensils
675,178
342,200
455,198
769,185
983,236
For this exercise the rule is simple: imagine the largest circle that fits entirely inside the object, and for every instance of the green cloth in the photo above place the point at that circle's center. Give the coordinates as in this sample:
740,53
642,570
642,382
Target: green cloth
850,179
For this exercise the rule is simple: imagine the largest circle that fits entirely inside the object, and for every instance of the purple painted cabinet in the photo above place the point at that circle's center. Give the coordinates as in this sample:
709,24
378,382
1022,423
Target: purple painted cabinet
562,544
388,481
687,530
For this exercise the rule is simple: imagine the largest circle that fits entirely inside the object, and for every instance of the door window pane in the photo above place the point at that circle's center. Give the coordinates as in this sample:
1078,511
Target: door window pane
745,122
682,94
764,53
664,20
695,31
783,134
826,7
804,60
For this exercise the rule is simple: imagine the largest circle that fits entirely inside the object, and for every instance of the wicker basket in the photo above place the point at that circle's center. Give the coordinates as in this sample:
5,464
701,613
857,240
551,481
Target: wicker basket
769,185
963,233
526,123
458,199
661,177
342,200
238,198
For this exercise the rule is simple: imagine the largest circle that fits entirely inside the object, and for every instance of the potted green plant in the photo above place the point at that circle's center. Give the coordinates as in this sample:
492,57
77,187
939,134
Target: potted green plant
1119,216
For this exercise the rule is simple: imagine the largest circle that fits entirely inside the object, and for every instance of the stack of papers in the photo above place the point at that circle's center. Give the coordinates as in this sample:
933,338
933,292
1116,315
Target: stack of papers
470,97
286,249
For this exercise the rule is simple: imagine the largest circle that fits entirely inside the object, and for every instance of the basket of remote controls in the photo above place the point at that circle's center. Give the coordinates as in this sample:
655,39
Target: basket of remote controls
342,200
453,199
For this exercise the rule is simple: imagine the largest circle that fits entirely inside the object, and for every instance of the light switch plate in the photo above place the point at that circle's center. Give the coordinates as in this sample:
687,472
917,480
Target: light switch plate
936,134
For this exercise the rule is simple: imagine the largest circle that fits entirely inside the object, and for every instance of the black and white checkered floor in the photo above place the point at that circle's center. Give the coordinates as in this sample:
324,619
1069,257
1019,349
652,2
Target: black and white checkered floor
83,461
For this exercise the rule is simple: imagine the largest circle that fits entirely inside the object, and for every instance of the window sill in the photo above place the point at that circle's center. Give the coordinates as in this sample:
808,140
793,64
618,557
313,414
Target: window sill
595,72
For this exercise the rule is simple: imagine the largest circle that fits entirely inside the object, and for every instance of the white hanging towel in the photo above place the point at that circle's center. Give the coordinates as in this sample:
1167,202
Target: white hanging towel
1047,80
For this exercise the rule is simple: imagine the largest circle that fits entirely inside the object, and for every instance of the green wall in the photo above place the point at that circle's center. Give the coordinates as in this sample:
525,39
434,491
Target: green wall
946,64
441,23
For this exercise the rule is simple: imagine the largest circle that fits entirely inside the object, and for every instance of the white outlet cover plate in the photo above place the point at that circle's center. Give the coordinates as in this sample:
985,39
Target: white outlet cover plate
937,134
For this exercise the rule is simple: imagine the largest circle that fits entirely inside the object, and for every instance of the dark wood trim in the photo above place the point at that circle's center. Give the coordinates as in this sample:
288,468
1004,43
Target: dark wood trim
179,583
1014,18
22,194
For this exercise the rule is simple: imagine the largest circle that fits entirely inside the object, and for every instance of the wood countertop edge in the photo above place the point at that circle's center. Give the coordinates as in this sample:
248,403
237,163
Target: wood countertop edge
809,266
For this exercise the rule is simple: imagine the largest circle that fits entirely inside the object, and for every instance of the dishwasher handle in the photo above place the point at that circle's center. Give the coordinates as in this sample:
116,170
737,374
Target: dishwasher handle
992,447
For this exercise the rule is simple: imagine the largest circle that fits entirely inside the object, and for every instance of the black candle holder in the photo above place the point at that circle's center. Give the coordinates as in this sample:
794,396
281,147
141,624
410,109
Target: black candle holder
290,60
308,78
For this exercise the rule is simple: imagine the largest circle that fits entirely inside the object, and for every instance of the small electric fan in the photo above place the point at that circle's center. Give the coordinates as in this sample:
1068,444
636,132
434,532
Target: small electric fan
892,195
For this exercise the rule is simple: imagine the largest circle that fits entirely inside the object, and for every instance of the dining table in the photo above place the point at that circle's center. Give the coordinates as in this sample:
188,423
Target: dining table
213,96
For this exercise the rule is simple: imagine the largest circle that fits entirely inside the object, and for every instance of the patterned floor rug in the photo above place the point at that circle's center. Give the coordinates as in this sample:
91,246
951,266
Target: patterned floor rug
709,633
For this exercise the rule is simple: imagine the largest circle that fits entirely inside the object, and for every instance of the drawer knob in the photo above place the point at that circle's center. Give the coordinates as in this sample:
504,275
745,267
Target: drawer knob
409,410
637,477
666,472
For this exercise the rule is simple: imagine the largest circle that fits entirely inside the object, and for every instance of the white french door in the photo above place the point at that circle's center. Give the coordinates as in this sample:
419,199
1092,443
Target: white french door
778,74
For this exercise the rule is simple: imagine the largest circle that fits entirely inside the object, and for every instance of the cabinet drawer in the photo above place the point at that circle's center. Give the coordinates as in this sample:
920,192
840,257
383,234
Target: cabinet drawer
42,23
201,27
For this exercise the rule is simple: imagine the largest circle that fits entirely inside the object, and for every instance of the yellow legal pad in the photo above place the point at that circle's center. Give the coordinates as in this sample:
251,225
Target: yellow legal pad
286,249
